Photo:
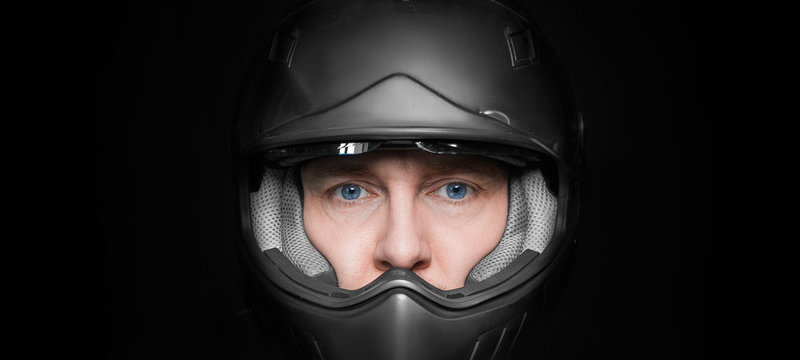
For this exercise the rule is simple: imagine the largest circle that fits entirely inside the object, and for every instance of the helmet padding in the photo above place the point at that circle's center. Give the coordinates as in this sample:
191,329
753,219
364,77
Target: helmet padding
530,224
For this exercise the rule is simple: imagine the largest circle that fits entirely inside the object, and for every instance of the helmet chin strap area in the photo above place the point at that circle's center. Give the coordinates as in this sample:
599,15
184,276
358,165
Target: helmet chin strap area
277,221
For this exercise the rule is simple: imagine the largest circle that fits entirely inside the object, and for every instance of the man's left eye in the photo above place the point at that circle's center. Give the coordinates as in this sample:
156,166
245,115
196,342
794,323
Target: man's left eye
454,190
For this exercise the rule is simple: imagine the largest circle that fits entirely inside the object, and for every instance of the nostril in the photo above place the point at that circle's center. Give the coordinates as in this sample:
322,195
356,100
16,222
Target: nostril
419,265
384,265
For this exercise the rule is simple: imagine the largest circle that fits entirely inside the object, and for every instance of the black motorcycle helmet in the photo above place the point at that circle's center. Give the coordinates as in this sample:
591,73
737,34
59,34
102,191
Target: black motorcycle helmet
342,78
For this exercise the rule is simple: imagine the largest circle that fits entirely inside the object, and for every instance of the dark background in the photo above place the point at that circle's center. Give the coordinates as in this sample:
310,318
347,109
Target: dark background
139,98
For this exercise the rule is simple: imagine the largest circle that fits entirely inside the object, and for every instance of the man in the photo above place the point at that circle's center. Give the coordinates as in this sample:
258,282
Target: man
436,215
407,177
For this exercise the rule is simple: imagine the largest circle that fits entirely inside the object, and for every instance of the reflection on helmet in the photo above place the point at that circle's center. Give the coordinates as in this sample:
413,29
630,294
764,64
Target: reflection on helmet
347,78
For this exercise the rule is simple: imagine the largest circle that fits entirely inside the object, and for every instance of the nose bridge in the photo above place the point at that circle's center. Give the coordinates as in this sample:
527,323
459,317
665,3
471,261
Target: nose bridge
404,244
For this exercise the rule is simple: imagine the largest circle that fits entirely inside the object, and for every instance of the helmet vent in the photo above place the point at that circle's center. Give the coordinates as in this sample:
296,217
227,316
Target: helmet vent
520,46
283,45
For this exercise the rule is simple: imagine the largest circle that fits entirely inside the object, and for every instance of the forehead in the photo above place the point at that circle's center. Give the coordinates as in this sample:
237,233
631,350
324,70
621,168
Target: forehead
403,161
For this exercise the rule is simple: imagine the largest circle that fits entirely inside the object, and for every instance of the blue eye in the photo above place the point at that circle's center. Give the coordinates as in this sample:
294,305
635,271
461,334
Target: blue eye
350,191
456,190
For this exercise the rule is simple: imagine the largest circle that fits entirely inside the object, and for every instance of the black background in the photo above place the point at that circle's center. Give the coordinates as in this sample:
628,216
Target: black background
140,96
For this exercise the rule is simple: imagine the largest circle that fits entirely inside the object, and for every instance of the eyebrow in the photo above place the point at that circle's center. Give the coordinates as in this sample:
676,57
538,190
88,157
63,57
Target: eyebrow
474,164
442,164
333,169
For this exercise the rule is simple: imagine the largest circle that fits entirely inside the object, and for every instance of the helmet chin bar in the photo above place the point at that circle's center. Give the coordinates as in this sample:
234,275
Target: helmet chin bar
400,316
398,302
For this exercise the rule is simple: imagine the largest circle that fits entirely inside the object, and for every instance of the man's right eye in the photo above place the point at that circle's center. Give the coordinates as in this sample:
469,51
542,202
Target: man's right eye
351,192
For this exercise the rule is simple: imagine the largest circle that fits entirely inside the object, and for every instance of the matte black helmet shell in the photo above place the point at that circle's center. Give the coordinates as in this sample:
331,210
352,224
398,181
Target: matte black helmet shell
466,70
447,76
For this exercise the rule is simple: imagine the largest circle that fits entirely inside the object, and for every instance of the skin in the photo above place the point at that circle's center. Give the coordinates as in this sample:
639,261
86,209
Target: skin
404,216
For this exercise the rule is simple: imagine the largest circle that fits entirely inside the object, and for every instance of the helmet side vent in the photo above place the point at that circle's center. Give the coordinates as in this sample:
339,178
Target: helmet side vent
283,45
520,47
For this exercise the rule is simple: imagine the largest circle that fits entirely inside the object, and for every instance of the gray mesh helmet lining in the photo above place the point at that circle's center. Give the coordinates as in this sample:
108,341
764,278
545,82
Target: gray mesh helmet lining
277,217
530,224
277,220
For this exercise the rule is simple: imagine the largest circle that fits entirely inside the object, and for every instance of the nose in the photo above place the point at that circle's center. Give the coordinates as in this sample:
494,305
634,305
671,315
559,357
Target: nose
405,241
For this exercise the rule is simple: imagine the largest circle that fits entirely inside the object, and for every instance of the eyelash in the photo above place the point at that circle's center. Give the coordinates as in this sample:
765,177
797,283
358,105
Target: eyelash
362,193
439,192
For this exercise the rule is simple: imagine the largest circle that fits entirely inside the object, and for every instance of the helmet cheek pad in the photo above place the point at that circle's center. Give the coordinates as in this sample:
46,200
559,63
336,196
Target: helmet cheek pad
276,211
530,224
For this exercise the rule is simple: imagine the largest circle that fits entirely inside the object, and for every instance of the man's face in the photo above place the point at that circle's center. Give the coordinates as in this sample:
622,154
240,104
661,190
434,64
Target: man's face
437,215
